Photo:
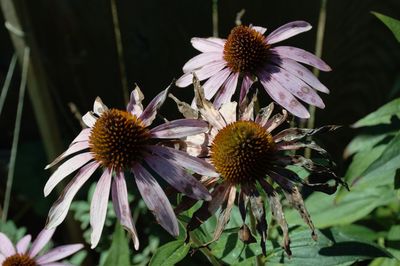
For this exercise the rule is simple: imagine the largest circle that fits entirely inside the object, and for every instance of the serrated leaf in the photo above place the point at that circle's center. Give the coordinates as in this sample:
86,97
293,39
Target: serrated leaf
118,253
391,23
170,253
381,116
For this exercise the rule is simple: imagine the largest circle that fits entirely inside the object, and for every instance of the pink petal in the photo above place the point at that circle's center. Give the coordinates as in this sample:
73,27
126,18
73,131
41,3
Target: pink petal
210,69
259,29
179,128
56,264
82,136
178,178
99,107
206,45
66,169
228,112
150,112
212,85
60,208
41,240
301,72
119,194
2,258
181,158
98,206
23,244
219,41
244,89
202,60
59,253
228,89
6,247
300,55
155,199
185,80
281,96
89,119
78,146
135,106
288,30
296,86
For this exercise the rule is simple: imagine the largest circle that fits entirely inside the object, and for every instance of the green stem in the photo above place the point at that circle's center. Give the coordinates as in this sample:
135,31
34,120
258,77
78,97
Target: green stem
215,17
14,147
205,251
318,52
253,230
7,81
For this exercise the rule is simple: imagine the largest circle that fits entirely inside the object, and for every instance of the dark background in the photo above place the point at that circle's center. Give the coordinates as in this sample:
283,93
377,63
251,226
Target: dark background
76,45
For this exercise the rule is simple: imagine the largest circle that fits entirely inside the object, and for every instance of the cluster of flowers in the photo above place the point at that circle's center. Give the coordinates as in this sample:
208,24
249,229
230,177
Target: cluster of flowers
220,151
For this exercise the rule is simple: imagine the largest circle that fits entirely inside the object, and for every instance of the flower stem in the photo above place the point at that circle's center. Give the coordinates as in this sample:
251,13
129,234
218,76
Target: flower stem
318,52
17,127
215,17
7,81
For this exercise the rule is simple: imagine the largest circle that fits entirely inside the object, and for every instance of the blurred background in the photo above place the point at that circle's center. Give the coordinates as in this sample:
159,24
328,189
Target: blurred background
75,58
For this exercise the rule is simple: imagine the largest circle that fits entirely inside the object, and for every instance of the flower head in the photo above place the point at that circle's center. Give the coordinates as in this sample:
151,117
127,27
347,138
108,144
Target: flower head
247,55
248,156
119,141
22,255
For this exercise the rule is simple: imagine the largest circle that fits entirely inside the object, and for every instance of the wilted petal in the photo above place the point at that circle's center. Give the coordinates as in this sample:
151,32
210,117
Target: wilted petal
155,199
59,210
82,136
135,106
178,178
98,206
185,108
150,112
99,107
291,134
179,128
6,247
66,169
214,83
202,60
285,146
300,55
89,119
248,113
264,114
59,253
226,92
228,112
41,240
181,158
223,218
119,194
258,210
276,121
288,30
23,244
206,45
244,89
78,146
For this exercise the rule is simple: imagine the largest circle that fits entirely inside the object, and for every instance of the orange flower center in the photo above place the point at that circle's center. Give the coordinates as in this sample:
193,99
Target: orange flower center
117,139
241,151
19,260
245,50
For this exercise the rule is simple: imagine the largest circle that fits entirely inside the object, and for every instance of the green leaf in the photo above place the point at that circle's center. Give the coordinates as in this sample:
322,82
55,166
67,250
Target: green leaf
364,143
118,253
381,116
170,253
333,247
391,23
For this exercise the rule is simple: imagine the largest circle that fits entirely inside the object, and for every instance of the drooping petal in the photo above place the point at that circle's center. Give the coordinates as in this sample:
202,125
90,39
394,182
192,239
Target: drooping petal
197,145
186,110
98,206
291,134
78,146
291,145
300,55
264,114
177,177
288,30
276,121
281,96
223,218
66,169
135,106
225,94
247,108
6,247
41,240
59,210
82,136
119,194
89,119
150,112
155,199
301,72
206,45
59,253
228,112
202,60
179,128
214,83
181,158
258,209
23,244
99,107
244,89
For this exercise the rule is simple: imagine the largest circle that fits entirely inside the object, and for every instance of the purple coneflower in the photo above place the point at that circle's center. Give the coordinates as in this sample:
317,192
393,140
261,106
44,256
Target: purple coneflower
245,153
246,55
22,255
119,140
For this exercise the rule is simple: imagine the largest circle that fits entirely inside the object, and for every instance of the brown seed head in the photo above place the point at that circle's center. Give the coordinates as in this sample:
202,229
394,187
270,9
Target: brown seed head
19,260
